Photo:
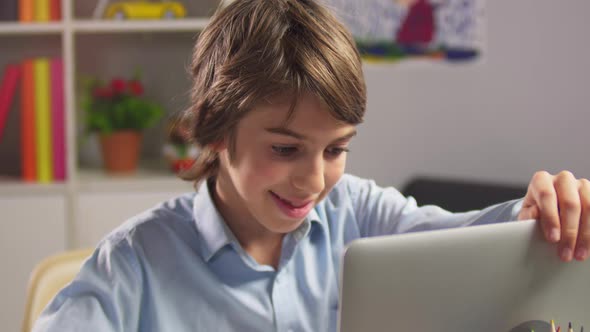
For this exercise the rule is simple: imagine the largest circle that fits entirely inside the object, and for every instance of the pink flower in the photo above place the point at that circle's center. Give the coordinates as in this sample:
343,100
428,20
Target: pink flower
103,92
135,88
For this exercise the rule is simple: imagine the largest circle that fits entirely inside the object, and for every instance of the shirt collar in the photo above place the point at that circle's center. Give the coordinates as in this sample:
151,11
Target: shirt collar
303,230
210,224
215,234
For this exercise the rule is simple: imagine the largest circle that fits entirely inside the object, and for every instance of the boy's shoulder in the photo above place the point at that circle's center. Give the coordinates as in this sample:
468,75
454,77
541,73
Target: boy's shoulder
347,190
350,185
172,216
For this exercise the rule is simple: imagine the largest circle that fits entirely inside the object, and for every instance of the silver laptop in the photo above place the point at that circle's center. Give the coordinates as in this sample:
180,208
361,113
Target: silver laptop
491,278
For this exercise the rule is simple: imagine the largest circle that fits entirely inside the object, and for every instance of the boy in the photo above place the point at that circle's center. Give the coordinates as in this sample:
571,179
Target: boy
278,91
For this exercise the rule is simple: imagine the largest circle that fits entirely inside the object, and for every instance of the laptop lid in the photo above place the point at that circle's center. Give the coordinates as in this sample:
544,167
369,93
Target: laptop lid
490,278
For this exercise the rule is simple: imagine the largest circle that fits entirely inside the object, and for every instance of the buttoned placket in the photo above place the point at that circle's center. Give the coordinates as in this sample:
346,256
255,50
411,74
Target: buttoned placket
284,286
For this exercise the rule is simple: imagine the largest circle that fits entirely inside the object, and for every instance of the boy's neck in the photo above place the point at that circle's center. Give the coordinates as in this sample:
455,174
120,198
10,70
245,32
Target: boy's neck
264,253
263,245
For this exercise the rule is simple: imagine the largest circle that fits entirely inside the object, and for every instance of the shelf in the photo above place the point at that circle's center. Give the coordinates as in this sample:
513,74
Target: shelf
96,180
105,26
15,28
14,187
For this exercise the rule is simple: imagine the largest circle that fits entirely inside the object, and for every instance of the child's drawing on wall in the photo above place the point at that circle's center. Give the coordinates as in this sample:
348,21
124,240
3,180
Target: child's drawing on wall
389,30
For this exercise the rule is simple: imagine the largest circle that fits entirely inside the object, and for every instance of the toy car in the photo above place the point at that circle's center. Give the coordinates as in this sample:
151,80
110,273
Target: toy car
145,10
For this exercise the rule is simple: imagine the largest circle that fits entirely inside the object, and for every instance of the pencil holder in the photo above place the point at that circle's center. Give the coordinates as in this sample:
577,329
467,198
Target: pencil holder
533,325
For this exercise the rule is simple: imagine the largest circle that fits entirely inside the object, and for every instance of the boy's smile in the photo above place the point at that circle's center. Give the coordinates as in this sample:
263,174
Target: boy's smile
280,169
293,209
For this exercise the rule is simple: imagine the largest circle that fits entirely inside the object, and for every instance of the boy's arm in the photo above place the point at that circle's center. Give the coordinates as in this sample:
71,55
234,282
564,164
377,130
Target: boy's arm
105,296
383,211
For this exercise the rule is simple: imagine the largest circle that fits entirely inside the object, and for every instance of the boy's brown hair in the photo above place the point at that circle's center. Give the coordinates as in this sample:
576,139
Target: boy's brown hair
254,49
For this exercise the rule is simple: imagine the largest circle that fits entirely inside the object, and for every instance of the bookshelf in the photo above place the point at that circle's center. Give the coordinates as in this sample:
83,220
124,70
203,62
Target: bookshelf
103,48
79,211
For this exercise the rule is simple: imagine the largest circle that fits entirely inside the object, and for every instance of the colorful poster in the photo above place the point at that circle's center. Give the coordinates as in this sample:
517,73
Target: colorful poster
392,30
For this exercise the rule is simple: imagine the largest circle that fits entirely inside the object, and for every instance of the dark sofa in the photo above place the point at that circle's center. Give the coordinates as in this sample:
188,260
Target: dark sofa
458,195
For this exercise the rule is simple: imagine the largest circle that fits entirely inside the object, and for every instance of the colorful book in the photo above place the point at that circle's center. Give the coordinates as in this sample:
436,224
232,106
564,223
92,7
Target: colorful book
41,10
28,133
7,90
43,121
54,10
58,119
26,10
8,10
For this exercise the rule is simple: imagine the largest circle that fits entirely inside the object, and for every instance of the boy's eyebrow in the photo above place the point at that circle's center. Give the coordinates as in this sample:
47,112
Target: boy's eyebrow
347,136
286,132
289,132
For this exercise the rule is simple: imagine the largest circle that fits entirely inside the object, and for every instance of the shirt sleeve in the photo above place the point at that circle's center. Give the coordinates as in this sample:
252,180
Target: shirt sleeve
105,296
385,211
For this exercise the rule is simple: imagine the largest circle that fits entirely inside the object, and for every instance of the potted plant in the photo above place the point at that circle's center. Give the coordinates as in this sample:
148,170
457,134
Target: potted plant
118,112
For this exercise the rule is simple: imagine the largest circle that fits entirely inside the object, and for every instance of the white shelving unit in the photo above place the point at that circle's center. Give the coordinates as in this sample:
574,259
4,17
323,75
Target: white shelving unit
81,210
76,27
31,28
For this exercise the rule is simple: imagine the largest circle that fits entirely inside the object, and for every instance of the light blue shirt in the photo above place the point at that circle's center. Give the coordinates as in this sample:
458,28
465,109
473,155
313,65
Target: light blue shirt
178,267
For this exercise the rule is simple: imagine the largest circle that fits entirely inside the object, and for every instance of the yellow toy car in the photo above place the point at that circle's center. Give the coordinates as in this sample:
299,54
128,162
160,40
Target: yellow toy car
145,10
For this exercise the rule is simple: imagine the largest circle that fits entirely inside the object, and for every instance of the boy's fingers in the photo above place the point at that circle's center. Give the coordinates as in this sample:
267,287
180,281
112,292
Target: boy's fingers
568,199
545,197
583,242
531,212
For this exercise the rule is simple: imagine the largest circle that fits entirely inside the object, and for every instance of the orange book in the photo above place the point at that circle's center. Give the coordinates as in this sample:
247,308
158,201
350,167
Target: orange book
28,132
55,10
26,10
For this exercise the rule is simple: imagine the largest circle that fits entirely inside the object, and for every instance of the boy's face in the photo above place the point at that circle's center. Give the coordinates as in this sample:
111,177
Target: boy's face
281,170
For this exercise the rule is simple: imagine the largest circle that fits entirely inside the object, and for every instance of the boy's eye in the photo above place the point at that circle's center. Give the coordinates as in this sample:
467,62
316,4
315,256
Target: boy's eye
284,150
336,151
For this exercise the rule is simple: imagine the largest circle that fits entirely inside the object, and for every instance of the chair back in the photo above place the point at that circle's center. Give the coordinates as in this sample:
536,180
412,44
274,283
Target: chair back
48,277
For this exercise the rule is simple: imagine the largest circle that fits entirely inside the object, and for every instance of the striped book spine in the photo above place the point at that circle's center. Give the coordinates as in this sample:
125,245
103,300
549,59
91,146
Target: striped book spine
43,121
58,119
28,132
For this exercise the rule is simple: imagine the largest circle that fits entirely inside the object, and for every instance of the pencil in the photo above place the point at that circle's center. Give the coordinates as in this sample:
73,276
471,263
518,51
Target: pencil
569,329
552,325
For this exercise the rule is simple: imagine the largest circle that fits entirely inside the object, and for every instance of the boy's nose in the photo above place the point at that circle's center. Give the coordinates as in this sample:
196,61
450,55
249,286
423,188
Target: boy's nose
309,177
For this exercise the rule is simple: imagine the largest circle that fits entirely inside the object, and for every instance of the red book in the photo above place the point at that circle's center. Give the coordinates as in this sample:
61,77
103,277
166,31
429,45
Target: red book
55,10
56,88
28,132
7,89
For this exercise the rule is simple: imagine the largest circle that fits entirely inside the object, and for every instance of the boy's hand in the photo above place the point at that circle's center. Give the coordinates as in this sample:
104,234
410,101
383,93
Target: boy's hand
562,204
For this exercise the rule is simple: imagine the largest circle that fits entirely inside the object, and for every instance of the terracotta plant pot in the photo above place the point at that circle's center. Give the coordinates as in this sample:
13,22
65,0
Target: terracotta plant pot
120,151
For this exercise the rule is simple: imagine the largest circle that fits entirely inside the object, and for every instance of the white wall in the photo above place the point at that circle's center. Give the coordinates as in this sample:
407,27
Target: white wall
31,228
524,107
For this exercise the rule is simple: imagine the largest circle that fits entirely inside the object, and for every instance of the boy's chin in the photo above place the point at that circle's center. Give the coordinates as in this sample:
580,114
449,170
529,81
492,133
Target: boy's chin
285,225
